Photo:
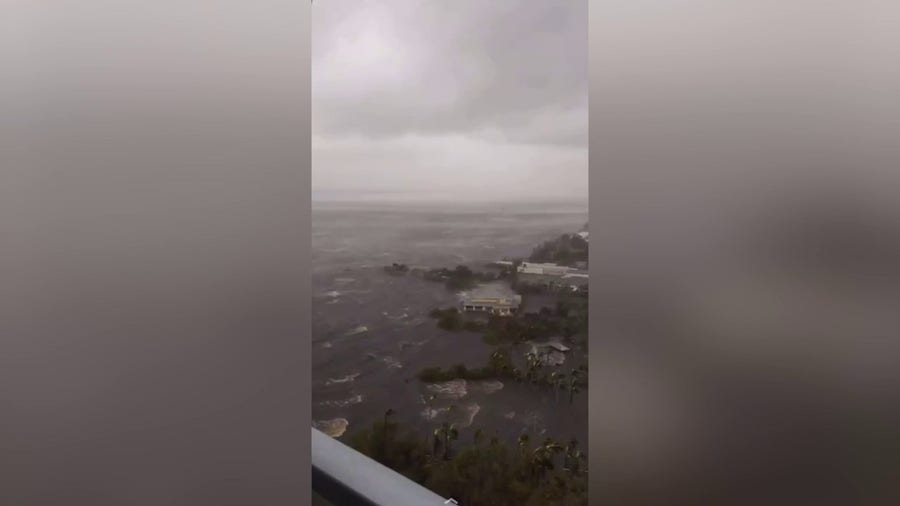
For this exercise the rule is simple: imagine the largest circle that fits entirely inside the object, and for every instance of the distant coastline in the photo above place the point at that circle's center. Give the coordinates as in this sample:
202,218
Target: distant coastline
463,207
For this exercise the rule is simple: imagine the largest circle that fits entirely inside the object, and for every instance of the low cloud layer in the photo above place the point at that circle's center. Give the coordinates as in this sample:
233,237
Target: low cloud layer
464,100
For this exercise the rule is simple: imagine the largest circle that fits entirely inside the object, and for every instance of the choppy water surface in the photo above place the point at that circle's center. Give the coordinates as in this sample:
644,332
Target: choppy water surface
371,332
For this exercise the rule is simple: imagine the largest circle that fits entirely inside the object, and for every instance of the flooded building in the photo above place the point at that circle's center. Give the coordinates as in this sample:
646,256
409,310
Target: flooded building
552,276
575,280
495,298
494,305
543,269
551,353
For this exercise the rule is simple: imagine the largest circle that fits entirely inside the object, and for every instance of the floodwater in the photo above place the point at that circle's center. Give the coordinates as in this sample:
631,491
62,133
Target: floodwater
371,331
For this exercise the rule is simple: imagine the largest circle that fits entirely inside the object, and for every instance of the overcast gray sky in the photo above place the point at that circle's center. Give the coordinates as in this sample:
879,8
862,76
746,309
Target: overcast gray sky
463,99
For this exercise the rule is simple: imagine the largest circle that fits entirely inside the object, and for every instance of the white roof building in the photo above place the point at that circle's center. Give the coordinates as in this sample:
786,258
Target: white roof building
494,298
544,269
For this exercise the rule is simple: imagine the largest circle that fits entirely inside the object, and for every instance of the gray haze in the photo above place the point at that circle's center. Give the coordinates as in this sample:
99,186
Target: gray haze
744,300
153,186
463,100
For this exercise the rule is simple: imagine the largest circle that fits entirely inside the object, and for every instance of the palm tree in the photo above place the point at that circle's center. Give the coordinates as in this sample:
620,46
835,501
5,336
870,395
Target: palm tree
529,364
573,384
494,360
523,444
542,457
499,362
535,362
384,432
443,436
452,435
573,456
557,381
430,410
436,442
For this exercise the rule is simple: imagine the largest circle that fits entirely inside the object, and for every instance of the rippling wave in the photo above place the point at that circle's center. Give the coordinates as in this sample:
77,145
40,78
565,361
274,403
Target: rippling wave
488,386
356,399
454,389
357,330
337,381
463,416
432,413
392,363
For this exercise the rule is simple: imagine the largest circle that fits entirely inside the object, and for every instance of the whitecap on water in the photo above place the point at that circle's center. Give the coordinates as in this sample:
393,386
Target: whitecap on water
326,344
334,428
414,322
488,386
432,413
510,415
392,363
333,294
533,421
338,381
344,281
357,330
463,416
460,416
409,344
356,399
454,389
472,410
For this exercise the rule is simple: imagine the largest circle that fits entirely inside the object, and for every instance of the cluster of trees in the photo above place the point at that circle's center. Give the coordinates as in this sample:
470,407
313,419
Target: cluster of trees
453,320
522,327
573,312
569,318
567,249
461,277
500,366
498,329
572,383
459,371
396,268
487,471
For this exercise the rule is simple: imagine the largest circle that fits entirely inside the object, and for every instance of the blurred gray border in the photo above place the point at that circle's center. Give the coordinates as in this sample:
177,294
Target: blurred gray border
155,222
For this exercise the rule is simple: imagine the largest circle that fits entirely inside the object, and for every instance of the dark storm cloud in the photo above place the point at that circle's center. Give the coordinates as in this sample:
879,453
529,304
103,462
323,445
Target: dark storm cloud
486,99
387,68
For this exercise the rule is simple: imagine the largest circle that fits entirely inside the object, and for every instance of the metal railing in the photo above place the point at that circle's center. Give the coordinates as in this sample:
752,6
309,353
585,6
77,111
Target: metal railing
345,477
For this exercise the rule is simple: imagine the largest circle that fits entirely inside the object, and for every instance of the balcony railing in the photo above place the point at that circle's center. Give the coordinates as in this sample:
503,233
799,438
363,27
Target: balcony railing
345,477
